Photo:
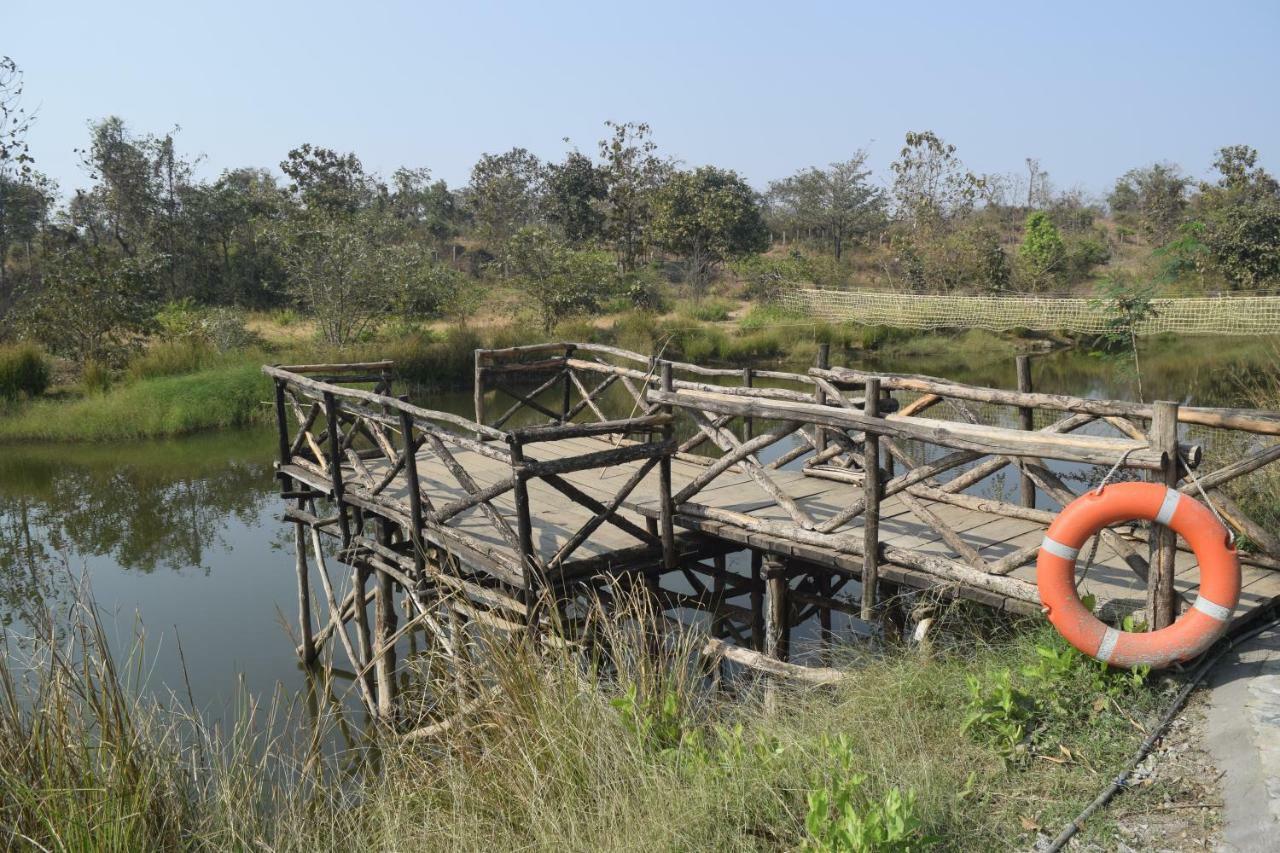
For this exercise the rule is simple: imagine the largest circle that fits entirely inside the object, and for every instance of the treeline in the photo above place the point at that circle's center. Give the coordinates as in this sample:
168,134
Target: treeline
620,225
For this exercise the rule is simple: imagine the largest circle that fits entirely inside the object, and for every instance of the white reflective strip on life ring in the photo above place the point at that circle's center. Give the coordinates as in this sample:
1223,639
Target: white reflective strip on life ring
1168,507
1057,549
1214,611
1108,645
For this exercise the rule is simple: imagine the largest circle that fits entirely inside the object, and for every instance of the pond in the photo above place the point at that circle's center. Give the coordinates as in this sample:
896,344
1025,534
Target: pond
180,541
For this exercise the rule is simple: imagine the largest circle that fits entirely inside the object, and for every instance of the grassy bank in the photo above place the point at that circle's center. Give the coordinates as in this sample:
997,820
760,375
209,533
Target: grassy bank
995,733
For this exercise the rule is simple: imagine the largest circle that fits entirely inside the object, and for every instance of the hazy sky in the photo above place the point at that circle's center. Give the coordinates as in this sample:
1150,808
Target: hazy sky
1091,89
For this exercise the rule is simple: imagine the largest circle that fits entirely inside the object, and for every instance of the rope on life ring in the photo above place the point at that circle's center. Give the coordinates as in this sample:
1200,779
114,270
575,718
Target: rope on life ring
1195,630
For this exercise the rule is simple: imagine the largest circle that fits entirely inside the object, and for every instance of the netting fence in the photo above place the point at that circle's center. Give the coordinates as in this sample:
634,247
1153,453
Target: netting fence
1221,315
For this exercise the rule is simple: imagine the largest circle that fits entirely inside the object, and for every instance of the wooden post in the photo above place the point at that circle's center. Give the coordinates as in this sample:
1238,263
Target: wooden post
824,583
360,583
524,532
568,386
335,465
415,494
478,391
777,626
718,587
822,362
1162,607
384,628
757,600
304,594
282,435
1026,420
871,496
748,422
667,507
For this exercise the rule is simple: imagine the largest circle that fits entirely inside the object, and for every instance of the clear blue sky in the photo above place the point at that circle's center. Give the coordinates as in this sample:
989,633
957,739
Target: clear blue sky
1091,89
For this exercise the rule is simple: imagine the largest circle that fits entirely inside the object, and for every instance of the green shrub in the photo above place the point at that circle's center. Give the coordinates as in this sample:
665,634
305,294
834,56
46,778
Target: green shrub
95,377
24,371
170,358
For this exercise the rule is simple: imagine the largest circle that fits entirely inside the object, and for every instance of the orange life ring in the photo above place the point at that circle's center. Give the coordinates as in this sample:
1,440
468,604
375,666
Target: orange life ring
1194,631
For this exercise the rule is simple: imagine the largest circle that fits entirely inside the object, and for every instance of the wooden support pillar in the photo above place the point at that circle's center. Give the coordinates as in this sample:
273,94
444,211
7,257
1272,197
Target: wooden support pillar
757,600
1162,606
748,422
666,518
1026,421
871,489
524,533
822,362
282,435
825,587
415,494
478,391
384,628
777,626
364,640
335,466
718,589
308,647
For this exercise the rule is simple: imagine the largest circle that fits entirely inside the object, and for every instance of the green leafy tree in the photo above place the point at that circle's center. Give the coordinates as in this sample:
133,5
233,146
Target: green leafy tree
558,280
1241,216
930,184
1152,200
93,304
632,171
426,205
1042,251
575,191
706,217
504,194
838,202
25,195
325,181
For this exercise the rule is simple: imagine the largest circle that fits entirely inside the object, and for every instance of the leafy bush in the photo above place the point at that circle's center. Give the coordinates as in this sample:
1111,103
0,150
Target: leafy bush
24,371
836,824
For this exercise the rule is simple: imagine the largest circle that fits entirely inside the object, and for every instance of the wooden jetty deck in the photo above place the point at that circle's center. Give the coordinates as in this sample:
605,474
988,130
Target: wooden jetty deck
478,520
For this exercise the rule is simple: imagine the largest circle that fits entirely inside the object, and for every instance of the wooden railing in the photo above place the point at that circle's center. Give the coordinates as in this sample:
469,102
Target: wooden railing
353,447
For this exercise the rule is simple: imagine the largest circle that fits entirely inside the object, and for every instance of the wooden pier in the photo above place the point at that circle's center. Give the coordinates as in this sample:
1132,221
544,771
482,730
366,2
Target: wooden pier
632,473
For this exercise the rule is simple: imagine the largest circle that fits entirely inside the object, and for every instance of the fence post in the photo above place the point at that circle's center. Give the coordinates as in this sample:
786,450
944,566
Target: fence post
1162,607
479,385
757,600
415,495
748,423
871,496
568,385
282,434
1026,420
667,508
384,628
335,465
524,531
822,362
777,627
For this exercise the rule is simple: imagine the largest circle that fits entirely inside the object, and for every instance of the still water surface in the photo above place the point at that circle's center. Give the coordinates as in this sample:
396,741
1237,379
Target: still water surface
181,540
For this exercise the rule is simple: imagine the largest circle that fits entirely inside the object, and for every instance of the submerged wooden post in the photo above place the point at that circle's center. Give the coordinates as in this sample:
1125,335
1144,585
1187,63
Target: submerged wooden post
777,626
308,647
360,583
667,507
1162,607
871,497
1026,420
822,362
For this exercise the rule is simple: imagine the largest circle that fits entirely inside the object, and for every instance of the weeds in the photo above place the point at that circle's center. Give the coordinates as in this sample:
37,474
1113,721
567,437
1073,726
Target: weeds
24,371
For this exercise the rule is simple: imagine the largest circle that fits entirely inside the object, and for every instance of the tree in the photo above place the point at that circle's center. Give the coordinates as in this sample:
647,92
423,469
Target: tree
706,217
632,172
1241,215
425,205
930,184
326,181
1042,250
575,189
93,303
504,193
24,195
559,280
120,206
1152,199
340,269
837,201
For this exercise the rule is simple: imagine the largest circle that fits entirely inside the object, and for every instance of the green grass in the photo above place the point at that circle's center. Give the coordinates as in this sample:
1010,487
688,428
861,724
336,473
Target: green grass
708,310
230,396
558,755
24,371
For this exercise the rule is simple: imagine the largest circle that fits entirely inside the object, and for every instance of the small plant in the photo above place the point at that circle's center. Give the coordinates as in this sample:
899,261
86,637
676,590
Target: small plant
998,715
657,722
835,823
24,371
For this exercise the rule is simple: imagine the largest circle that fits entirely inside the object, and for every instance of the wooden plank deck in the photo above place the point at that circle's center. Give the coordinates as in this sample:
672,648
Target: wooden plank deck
555,520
